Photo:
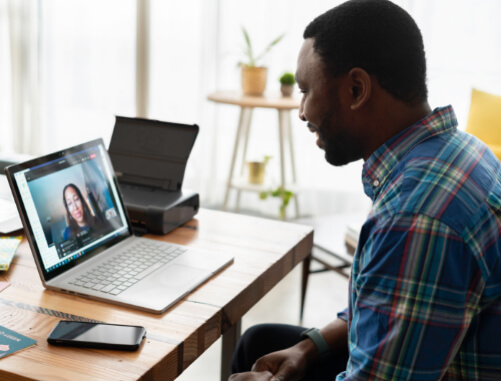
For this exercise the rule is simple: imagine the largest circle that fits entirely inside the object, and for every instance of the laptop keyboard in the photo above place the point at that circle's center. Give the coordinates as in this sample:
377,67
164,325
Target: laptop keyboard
128,267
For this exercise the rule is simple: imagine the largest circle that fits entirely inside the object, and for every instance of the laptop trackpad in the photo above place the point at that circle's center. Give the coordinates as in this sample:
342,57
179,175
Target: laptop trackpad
165,287
176,276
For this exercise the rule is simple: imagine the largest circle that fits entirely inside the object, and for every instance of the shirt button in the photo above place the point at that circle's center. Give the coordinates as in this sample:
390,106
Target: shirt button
375,183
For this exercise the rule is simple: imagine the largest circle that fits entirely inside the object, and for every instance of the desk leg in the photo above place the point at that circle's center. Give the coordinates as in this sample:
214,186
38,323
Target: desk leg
304,284
245,115
230,340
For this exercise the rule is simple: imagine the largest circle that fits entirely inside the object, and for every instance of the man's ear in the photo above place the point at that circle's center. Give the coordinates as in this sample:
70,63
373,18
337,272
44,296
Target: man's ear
360,87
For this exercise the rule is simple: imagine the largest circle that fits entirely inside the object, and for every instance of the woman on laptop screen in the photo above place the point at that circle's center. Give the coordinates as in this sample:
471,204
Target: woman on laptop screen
80,218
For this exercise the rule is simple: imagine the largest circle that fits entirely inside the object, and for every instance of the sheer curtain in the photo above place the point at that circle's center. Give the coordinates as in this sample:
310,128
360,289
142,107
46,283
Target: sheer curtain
463,47
85,58
20,93
87,68
5,83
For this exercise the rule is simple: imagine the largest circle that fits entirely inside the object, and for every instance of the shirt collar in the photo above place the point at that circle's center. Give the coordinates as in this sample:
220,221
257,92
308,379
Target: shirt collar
380,164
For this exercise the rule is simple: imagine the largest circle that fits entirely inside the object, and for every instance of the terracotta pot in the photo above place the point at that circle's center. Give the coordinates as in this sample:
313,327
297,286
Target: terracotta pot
254,80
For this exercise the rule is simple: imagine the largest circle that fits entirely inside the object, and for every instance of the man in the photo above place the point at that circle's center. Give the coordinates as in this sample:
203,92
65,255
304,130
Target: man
425,288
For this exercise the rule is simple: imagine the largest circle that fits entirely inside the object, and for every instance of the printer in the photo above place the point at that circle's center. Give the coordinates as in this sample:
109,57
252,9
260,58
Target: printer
149,158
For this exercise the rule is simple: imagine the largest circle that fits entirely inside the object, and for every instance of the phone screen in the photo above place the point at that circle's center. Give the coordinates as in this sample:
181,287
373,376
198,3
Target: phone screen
97,335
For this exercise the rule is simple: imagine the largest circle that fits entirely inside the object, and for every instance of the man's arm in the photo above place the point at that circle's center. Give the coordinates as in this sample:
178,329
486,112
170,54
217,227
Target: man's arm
416,292
292,363
336,335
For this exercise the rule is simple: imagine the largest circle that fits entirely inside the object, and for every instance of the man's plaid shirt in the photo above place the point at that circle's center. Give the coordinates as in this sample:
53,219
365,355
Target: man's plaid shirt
425,289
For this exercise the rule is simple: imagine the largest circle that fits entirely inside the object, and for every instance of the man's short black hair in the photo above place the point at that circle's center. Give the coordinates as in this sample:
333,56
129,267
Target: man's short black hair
377,36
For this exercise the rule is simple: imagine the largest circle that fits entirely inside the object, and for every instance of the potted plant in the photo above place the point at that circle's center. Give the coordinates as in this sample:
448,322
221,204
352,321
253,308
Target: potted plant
282,193
287,82
253,75
257,170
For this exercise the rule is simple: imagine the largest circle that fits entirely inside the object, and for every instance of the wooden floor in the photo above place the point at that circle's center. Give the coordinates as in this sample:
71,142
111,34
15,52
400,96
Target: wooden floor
327,294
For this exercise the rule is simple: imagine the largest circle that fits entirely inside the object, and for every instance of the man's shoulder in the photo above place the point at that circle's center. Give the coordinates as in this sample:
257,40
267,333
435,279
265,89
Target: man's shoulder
449,178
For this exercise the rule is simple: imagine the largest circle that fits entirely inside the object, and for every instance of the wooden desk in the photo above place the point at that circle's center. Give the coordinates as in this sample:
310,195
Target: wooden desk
247,104
264,250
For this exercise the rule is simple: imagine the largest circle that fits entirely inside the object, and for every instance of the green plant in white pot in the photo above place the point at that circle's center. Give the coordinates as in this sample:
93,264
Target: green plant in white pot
254,75
287,82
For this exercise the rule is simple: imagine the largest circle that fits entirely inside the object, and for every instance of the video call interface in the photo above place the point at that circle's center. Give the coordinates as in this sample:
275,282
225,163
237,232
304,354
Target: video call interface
72,206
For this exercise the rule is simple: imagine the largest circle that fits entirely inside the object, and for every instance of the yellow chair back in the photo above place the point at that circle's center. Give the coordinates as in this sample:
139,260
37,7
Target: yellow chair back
484,119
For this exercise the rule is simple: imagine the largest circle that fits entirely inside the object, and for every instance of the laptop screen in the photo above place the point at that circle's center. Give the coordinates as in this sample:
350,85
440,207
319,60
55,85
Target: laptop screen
71,205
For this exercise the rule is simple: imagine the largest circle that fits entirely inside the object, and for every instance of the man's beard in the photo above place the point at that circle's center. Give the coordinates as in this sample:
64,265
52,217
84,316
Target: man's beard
339,149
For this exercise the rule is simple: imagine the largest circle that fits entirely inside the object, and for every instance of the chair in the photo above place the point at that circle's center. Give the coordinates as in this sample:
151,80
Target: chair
333,247
484,119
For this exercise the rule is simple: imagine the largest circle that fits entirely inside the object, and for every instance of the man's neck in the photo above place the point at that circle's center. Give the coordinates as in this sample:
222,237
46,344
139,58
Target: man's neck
391,117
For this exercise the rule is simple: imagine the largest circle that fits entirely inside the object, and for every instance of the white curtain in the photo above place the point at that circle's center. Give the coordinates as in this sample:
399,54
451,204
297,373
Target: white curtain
85,63
463,48
19,71
87,68
5,84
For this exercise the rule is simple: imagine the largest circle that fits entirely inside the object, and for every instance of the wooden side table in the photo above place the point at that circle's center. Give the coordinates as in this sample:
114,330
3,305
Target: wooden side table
247,104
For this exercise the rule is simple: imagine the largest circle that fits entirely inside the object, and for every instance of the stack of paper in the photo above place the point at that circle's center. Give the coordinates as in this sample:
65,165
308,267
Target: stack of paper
8,247
9,216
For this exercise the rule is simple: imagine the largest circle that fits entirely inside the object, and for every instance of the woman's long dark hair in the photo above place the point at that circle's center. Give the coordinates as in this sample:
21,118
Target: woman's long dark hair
88,217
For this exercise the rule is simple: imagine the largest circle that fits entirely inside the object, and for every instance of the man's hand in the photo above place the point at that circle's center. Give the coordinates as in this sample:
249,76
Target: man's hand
292,363
251,376
288,364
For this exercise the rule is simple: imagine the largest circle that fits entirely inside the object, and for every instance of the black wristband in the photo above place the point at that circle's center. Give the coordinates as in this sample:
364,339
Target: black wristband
322,347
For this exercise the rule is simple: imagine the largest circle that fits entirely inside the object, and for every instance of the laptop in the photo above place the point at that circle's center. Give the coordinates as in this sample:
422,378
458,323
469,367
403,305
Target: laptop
82,240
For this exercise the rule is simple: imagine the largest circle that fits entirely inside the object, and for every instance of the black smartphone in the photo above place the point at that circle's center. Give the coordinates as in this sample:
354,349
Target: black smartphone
97,335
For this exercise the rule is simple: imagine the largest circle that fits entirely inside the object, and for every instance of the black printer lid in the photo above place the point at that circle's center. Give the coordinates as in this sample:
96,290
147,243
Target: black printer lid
151,152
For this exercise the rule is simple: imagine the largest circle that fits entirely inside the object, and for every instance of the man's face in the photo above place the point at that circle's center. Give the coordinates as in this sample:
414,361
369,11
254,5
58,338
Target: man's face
322,107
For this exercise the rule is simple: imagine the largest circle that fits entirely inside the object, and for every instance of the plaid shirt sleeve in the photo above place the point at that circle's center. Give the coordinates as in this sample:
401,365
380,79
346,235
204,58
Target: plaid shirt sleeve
343,315
414,300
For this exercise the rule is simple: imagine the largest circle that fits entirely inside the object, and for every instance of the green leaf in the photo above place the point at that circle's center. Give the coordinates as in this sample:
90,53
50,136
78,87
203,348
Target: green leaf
271,45
276,192
284,194
248,50
282,212
287,79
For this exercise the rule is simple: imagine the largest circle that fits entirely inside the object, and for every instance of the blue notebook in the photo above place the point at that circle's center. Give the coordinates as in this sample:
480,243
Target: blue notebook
11,342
